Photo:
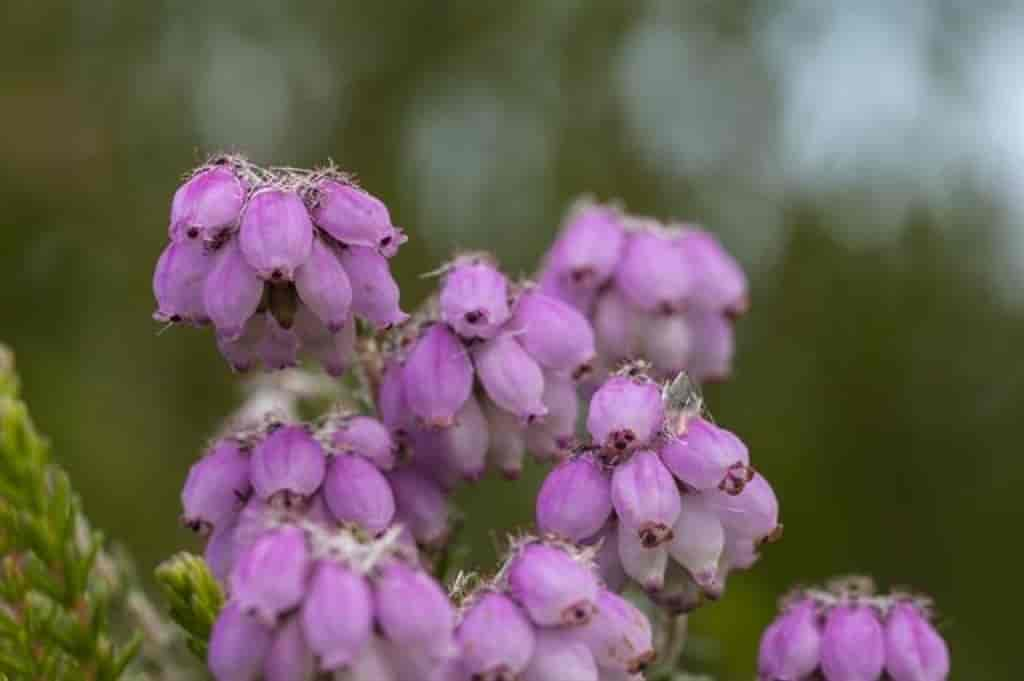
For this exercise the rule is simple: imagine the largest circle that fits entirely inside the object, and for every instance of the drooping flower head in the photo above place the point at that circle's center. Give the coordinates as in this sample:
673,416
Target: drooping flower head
279,261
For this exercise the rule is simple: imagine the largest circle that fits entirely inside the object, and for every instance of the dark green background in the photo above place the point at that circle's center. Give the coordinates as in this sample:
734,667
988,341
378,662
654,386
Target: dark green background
878,377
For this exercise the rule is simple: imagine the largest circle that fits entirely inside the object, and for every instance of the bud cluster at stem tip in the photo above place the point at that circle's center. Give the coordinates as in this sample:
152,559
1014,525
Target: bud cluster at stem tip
848,633
278,260
671,498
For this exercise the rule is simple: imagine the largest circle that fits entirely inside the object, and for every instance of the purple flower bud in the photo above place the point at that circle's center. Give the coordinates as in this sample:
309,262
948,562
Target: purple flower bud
559,285
216,487
412,609
289,657
607,560
269,577
698,541
324,287
559,656
355,217
232,292
646,565
652,274
366,437
243,353
374,291
739,553
278,347
437,377
790,647
357,492
713,346
337,615
619,636
496,639
718,280
554,333
619,328
374,663
276,234
645,498
575,500
420,506
853,644
288,466
553,436
391,404
507,440
206,205
554,588
625,414
474,298
333,350
238,645
753,513
220,551
178,282
588,250
667,342
510,377
462,447
914,651
706,456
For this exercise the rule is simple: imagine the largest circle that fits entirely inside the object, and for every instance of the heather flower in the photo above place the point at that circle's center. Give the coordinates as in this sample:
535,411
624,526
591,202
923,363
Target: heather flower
231,293
665,294
914,651
511,378
437,377
660,491
421,506
179,280
324,287
269,577
412,610
559,656
276,233
474,298
791,646
356,491
554,588
289,657
288,466
366,437
337,614
495,637
374,291
355,217
238,645
852,644
554,332
215,488
207,205
619,636
507,441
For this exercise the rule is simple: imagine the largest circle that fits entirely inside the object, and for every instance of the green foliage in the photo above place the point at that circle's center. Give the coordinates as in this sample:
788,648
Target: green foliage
194,598
57,588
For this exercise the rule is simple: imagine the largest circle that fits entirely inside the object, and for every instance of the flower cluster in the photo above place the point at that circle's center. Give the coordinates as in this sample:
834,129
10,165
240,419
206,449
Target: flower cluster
277,260
305,599
546,617
343,472
659,483
667,294
846,633
493,370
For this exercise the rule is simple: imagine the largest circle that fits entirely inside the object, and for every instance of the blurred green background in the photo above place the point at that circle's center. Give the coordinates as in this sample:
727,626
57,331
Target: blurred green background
864,159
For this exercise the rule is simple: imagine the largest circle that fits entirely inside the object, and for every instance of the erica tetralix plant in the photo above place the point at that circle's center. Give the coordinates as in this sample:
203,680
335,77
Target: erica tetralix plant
667,294
671,497
547,617
848,633
278,260
487,369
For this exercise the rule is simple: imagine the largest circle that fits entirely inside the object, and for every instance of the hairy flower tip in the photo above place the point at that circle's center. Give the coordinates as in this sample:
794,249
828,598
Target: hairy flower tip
645,498
357,492
269,578
289,657
231,293
717,280
914,650
437,377
216,487
207,205
276,233
413,611
652,274
324,287
852,644
705,457
586,253
554,333
626,413
238,645
574,501
355,217
554,587
366,437
495,638
179,280
288,466
474,297
791,646
558,655
618,636
337,614
421,506
510,377
375,294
